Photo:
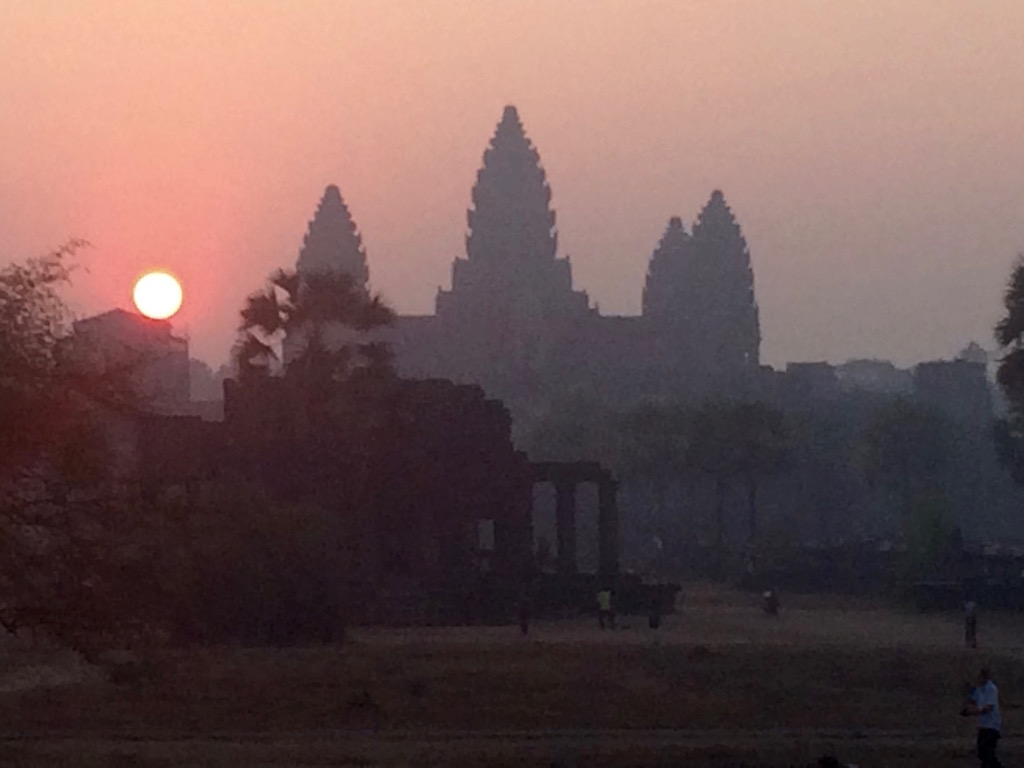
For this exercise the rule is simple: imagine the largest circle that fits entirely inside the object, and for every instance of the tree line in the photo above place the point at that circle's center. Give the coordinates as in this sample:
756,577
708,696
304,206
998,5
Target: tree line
83,562
93,564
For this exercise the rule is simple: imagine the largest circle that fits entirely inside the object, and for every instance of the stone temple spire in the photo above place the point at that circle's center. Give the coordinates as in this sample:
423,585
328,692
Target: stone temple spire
511,219
729,309
332,242
668,274
511,286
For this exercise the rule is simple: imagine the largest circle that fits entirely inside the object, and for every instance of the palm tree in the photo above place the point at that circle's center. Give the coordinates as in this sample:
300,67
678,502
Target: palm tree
320,321
653,438
1010,336
763,448
737,441
906,451
315,332
651,445
1009,436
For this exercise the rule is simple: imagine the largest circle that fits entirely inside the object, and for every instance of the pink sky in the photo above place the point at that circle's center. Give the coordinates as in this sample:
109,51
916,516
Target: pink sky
873,151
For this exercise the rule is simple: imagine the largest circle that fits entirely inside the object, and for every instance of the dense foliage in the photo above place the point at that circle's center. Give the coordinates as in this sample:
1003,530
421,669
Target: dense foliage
311,325
705,484
57,517
88,560
1010,337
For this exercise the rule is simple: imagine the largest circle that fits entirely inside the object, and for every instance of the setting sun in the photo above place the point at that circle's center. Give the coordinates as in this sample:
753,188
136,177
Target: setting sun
157,295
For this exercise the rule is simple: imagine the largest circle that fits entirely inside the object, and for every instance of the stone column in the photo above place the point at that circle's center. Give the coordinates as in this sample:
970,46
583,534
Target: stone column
607,527
565,525
513,533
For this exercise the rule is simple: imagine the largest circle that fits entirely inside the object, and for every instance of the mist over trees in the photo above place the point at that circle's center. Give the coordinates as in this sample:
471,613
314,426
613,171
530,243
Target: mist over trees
343,471
716,480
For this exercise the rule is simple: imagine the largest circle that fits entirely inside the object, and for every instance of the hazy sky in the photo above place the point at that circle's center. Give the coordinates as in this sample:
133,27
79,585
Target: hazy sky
873,151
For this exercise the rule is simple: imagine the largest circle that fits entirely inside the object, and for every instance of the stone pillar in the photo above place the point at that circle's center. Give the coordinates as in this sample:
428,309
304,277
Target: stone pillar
565,525
607,527
513,533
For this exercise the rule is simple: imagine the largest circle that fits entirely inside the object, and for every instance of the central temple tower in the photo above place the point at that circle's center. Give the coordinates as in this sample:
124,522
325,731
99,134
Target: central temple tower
511,273
511,309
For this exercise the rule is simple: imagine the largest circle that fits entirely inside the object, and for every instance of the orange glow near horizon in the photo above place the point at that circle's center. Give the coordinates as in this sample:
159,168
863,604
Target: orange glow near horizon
871,151
157,295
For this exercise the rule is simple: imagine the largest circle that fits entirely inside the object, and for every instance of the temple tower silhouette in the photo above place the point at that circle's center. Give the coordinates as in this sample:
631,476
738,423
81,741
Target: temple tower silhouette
511,271
511,306
332,241
699,305
513,323
728,326
671,277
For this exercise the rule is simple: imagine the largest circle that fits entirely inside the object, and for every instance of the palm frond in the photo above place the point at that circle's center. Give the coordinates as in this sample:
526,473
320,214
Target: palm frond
1010,330
289,282
374,314
262,312
251,355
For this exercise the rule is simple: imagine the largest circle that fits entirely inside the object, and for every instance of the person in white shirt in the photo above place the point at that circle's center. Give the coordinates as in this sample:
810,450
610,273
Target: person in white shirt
985,705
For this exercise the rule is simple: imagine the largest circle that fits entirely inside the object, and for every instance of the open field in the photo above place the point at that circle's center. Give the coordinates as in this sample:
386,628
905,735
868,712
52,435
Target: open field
719,684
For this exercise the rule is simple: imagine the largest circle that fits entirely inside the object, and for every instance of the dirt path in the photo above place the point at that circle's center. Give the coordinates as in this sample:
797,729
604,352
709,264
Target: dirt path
718,680
568,748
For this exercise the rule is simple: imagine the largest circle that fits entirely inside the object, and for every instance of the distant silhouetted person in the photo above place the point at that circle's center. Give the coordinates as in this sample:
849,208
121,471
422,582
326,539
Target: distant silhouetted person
525,609
770,602
970,624
984,705
605,614
749,570
654,617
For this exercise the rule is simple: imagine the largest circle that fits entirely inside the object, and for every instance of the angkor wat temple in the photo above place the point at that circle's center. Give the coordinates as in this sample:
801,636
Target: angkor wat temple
514,323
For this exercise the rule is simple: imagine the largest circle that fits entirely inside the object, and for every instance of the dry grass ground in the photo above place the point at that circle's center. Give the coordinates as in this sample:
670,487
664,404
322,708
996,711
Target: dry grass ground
719,684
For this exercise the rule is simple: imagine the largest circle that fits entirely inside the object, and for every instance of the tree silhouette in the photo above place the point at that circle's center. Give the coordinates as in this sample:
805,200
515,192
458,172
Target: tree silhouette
653,446
62,529
326,315
1010,336
42,391
906,452
1009,435
763,449
33,320
737,442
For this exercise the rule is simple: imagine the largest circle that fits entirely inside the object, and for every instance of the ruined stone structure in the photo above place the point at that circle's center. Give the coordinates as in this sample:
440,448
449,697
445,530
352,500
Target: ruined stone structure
566,476
438,465
155,361
513,322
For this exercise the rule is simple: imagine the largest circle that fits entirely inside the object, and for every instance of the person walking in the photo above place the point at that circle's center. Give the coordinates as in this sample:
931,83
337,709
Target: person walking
984,705
525,605
970,624
604,609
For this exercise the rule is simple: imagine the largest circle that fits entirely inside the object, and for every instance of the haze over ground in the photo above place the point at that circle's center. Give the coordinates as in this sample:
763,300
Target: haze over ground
873,151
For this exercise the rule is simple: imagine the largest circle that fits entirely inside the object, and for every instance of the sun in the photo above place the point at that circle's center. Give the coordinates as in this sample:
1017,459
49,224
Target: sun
157,295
